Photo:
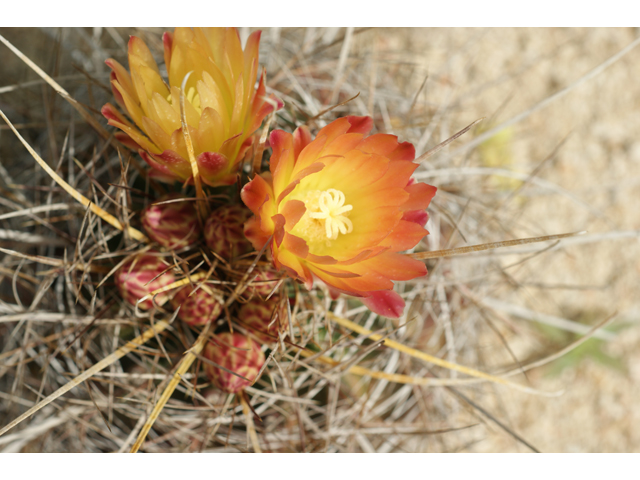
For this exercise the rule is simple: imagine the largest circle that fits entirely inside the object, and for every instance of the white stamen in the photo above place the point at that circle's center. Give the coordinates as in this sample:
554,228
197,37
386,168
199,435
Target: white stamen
332,210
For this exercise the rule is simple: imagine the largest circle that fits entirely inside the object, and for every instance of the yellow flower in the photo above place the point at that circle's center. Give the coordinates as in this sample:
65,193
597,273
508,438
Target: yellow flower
223,107
340,208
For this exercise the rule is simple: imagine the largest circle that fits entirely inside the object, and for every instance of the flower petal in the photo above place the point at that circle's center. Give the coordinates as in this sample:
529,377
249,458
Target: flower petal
386,303
360,124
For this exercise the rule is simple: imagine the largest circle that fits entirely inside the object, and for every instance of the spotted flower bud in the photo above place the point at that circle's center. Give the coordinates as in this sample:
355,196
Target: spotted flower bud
172,225
224,231
199,308
265,319
236,353
137,278
263,282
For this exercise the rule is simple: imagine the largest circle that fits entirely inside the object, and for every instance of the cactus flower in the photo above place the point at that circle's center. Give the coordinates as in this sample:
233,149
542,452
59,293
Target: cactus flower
236,353
172,225
340,208
134,280
199,308
265,319
224,231
223,107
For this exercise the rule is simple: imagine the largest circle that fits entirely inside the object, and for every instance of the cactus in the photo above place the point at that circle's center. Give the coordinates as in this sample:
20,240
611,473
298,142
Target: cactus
264,319
224,231
134,280
197,309
172,225
237,353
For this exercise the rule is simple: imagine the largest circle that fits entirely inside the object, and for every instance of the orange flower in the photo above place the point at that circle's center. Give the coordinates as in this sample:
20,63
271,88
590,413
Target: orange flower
222,106
340,208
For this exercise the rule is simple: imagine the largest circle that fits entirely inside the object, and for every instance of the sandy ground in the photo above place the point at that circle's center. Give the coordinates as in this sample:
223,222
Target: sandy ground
499,73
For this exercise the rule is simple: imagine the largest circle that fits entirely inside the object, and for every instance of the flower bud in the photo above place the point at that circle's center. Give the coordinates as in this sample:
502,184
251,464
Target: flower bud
264,319
236,353
134,280
172,225
262,282
197,309
224,231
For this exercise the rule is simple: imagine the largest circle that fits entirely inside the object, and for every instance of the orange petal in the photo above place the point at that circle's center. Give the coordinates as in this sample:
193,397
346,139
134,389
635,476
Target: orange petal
420,195
394,266
282,171
293,211
416,216
294,266
279,140
310,153
301,138
360,124
385,302
380,143
404,236
342,144
314,168
295,245
405,151
255,193
335,129
254,234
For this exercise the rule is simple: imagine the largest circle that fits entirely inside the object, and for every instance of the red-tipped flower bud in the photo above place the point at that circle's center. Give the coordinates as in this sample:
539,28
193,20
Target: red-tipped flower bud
236,353
262,282
172,225
134,280
264,319
197,309
224,231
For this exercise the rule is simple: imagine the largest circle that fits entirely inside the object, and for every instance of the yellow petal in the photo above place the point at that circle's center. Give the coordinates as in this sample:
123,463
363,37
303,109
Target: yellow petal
133,107
164,114
211,131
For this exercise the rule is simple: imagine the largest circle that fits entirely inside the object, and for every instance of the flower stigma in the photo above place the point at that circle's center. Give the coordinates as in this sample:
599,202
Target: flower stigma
326,216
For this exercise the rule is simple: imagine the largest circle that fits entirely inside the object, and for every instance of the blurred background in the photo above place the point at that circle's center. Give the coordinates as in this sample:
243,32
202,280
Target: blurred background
562,155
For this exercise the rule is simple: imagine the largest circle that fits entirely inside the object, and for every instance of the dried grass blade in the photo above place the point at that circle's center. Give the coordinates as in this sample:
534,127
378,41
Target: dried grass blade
257,158
183,366
332,107
251,429
63,93
54,262
450,252
428,358
171,286
101,365
440,146
202,204
107,217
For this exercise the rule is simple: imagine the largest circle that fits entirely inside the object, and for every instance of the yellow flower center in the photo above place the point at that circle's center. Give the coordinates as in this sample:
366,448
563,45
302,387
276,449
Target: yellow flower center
326,216
192,97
